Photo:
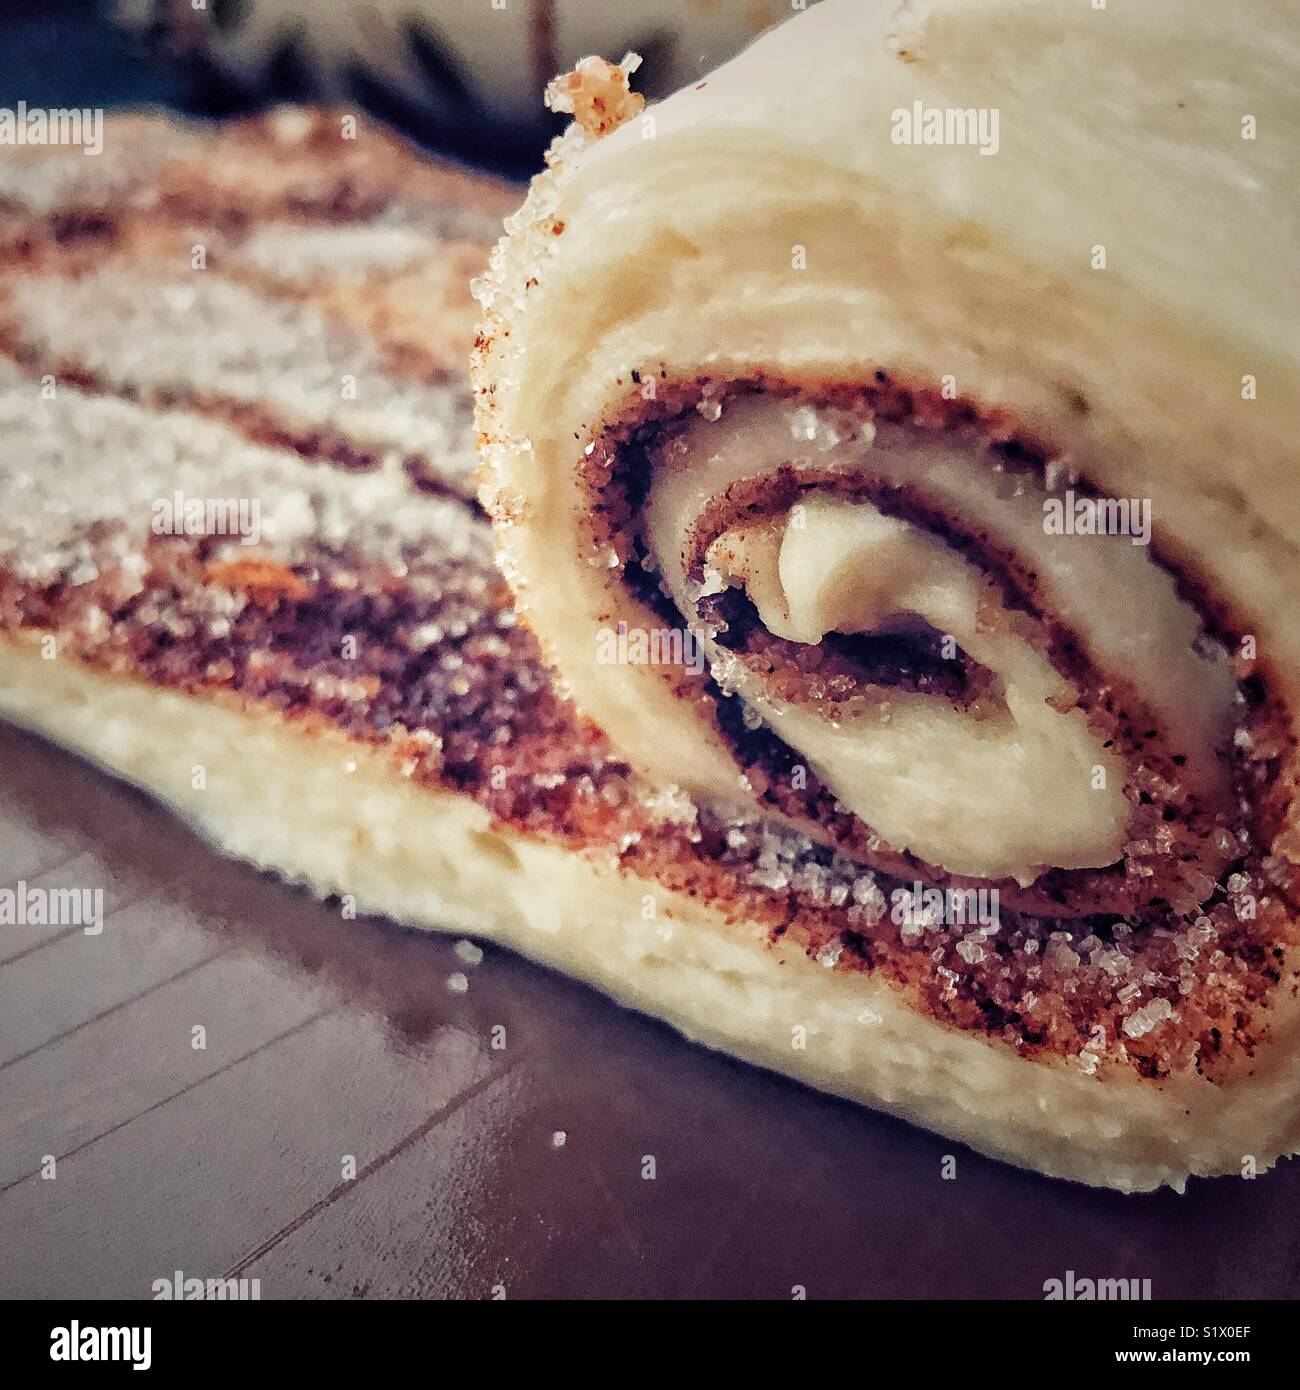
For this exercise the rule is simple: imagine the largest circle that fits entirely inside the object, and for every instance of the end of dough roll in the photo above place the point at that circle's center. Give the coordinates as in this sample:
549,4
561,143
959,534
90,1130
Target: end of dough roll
889,437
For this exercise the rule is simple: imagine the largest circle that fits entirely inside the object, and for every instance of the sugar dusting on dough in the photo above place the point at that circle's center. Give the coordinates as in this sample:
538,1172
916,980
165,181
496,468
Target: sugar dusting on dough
597,94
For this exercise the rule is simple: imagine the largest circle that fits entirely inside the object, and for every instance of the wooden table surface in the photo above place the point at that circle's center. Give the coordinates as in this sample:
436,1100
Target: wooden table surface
327,1038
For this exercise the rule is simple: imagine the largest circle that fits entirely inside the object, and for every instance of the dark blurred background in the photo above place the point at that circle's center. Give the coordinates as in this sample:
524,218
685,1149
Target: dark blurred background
66,52
71,53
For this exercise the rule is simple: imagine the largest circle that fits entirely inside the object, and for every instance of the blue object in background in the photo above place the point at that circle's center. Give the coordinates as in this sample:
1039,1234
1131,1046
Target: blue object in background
66,53
69,53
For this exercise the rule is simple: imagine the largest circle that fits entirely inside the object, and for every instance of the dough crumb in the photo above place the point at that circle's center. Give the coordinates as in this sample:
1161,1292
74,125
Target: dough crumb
597,94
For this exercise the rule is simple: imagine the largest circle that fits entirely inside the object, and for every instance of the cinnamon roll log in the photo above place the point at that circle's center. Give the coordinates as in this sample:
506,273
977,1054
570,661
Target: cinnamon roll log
889,440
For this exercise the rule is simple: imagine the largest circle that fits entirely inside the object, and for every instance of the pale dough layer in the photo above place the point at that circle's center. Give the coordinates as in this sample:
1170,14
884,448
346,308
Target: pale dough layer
285,800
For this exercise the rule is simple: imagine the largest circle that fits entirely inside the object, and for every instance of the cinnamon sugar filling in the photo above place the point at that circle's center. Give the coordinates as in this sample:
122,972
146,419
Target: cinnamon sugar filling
1176,844
842,666
1180,843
